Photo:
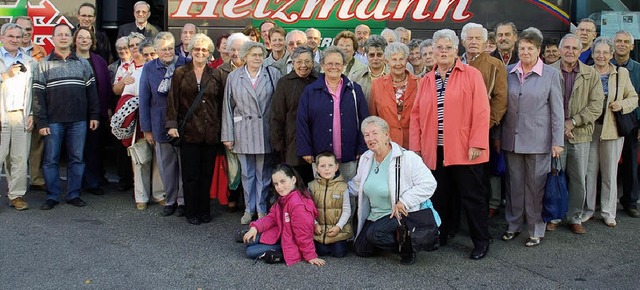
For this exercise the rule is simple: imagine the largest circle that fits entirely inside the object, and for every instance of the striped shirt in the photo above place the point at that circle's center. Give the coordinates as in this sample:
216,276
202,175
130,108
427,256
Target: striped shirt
441,86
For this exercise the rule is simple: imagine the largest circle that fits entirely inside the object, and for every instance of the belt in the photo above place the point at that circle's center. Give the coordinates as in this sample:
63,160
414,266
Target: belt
18,110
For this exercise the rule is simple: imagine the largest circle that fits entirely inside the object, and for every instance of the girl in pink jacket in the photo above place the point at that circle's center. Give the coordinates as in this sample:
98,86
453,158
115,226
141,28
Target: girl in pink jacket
290,223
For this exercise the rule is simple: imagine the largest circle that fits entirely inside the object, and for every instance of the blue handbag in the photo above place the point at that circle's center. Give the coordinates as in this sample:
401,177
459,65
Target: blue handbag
556,195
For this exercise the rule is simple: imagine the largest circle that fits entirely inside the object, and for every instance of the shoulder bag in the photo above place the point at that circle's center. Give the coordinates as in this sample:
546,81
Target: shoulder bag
625,122
177,141
139,151
419,227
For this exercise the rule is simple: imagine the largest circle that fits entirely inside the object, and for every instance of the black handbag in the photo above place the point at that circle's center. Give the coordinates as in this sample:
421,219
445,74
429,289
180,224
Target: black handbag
177,141
418,227
625,122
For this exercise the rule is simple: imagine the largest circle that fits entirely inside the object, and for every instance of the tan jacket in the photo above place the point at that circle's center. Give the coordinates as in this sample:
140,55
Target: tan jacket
494,74
328,198
624,93
585,104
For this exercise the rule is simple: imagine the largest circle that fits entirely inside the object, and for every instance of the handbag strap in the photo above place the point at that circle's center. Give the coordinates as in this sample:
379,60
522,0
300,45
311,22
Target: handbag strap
397,179
355,101
617,79
192,108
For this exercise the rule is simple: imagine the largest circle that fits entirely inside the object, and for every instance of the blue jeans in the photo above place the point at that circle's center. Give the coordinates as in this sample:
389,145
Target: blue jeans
256,180
337,249
255,248
74,133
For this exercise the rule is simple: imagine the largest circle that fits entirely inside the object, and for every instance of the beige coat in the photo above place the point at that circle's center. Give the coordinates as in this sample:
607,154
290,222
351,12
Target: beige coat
624,93
585,104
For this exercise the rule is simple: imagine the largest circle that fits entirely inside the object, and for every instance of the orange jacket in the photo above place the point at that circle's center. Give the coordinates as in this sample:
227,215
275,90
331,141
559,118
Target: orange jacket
382,103
466,118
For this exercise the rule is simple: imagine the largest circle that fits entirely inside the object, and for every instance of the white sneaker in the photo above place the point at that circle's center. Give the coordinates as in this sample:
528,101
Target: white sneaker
611,222
246,218
586,218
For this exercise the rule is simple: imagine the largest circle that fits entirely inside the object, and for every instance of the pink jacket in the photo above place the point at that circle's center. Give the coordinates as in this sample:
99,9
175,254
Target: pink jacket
466,118
290,221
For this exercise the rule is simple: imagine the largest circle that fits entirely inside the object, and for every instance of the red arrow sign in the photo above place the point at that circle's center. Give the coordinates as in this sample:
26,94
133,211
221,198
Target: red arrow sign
42,13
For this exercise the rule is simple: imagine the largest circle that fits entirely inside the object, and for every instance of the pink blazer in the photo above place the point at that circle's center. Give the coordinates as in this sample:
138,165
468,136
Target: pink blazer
382,103
466,118
291,222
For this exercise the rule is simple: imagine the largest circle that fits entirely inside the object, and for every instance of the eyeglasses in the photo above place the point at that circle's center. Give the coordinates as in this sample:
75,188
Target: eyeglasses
303,62
444,48
256,54
333,64
86,16
375,54
121,48
142,12
200,49
132,45
167,49
82,38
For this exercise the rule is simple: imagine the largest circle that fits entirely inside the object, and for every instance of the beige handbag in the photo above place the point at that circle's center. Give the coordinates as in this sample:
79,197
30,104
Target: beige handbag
139,151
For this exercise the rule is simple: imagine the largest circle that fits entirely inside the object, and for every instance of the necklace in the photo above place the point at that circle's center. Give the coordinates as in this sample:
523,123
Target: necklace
400,82
377,169
375,76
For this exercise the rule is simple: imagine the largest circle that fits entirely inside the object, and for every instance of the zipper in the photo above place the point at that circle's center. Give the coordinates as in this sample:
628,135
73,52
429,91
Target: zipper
324,204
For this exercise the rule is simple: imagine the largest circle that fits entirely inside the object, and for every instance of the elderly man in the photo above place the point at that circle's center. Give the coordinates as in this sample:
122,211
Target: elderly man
583,96
586,31
551,53
265,26
474,39
313,42
623,42
187,32
347,42
64,97
404,34
141,12
15,111
506,38
390,35
87,17
293,39
362,34
37,144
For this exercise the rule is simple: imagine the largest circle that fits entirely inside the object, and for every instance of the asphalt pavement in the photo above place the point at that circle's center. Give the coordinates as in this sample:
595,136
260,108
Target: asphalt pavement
109,244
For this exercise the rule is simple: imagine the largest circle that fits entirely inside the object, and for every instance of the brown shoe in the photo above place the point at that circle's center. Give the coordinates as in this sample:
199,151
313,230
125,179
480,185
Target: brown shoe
551,227
19,204
577,229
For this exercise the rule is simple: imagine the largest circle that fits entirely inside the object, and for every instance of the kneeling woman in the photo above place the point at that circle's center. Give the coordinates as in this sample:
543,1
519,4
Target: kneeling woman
290,223
375,185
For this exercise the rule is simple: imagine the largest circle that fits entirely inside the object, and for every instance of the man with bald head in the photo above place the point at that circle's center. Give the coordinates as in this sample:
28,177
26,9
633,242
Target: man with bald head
187,32
141,12
362,34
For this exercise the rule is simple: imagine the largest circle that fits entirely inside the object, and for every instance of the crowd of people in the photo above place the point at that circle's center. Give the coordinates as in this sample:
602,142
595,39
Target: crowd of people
331,145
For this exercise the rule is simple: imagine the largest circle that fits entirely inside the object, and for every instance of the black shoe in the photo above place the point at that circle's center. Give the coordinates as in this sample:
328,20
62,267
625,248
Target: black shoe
180,211
124,187
168,210
48,204
205,219
194,220
479,252
96,191
76,201
508,236
633,212
443,240
240,236
409,259
37,187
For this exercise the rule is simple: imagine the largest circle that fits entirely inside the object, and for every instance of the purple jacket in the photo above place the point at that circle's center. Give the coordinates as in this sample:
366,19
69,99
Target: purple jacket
153,104
103,82
290,221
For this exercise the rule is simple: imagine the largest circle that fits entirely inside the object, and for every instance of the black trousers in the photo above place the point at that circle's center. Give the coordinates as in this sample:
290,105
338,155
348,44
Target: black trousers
197,160
628,170
379,235
93,153
463,185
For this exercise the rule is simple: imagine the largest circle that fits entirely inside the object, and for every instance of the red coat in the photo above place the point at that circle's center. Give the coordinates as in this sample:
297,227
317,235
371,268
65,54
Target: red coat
466,118
290,221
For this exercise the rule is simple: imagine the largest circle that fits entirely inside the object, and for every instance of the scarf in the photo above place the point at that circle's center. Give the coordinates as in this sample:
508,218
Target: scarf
165,85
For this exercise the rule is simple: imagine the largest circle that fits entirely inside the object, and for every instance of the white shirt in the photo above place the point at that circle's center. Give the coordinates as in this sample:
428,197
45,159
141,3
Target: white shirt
14,99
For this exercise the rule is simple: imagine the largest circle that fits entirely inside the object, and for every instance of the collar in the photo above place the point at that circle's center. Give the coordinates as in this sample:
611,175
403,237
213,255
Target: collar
4,52
575,69
469,60
330,182
293,75
396,151
56,56
459,66
537,68
160,65
141,27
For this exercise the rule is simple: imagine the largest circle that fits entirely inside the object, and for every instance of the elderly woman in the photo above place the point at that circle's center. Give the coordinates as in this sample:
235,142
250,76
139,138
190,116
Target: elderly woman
277,35
84,41
123,74
284,107
392,96
417,64
426,52
606,145
201,130
375,187
348,43
329,113
374,48
155,83
535,111
452,110
245,125
234,42
146,176
124,56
